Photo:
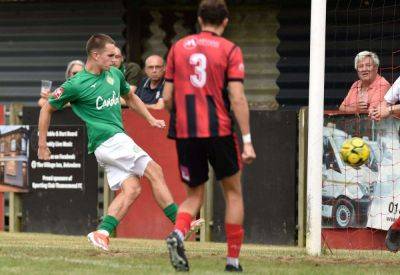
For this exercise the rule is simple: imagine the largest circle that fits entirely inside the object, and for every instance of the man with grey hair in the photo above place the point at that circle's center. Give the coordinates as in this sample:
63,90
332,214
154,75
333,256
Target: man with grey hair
369,90
73,67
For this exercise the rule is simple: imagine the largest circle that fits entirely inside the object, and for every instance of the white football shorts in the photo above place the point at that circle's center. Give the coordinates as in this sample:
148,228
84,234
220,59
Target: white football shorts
121,157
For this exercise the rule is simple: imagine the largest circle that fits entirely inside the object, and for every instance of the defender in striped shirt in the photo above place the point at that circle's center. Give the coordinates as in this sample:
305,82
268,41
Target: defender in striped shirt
204,80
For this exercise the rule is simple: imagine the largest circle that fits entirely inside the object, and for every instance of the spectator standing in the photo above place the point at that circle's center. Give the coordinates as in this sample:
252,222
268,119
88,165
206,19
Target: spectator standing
390,105
130,70
73,67
119,60
369,90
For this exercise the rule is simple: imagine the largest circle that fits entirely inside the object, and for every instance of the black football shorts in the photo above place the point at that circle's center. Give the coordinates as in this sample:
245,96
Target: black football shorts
195,153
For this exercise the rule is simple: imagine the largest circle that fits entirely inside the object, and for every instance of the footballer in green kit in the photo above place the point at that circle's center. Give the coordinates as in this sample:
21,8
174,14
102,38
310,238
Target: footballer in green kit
94,95
95,99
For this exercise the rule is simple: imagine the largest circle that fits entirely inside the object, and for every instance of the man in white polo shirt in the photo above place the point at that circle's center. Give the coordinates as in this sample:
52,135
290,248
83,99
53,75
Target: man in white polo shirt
389,106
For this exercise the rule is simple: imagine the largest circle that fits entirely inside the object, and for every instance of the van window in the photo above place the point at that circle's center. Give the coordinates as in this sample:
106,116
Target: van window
329,157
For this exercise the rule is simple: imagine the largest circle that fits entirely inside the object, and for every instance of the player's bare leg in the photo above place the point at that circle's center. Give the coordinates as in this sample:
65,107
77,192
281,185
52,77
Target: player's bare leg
118,208
234,215
232,189
130,190
161,193
194,200
163,196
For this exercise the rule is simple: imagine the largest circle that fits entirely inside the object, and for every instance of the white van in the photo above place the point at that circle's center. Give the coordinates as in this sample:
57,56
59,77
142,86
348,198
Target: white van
346,191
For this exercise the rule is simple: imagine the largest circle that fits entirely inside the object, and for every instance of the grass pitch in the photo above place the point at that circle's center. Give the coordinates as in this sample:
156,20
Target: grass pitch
24,253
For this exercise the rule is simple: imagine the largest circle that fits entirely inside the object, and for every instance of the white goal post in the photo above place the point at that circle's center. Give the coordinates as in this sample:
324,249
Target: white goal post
315,126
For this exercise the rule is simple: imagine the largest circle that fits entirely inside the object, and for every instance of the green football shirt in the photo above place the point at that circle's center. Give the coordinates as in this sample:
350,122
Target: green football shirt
95,99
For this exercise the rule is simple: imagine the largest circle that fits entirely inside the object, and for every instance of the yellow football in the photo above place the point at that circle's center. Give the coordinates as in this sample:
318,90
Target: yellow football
355,151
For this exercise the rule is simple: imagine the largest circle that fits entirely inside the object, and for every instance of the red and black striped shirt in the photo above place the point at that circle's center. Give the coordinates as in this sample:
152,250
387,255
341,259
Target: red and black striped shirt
200,66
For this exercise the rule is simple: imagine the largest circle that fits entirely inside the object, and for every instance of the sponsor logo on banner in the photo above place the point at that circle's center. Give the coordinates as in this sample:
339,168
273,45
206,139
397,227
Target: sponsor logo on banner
58,93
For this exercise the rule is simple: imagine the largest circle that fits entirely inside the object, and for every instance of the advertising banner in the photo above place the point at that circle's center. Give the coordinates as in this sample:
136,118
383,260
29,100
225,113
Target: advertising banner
63,191
65,169
368,195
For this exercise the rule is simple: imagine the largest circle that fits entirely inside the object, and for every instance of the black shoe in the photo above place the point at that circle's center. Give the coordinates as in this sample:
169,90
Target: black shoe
177,252
392,240
232,268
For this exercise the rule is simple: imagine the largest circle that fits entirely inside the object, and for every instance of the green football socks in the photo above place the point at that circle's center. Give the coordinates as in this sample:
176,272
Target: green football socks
108,224
170,211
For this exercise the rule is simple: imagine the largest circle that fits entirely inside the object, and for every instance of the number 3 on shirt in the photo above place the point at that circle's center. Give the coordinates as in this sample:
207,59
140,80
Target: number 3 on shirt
199,61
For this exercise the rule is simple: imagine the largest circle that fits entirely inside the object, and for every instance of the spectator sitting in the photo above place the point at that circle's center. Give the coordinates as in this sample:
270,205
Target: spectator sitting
73,67
370,89
151,87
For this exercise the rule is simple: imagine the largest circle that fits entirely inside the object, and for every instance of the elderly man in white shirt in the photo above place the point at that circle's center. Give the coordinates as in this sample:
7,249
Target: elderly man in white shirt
391,104
390,107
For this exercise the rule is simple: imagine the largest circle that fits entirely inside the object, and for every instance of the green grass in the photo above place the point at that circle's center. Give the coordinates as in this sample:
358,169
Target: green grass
24,253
